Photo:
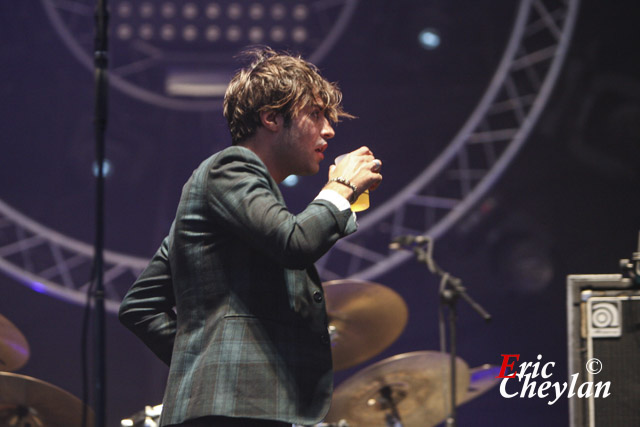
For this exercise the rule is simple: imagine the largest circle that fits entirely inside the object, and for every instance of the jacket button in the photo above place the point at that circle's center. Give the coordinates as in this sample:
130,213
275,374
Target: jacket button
325,339
317,296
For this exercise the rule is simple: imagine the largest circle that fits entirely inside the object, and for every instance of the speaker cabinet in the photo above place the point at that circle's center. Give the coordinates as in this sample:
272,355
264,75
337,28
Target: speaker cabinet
603,319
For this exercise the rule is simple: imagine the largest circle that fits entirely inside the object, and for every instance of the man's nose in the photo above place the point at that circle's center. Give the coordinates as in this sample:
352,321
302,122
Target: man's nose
327,130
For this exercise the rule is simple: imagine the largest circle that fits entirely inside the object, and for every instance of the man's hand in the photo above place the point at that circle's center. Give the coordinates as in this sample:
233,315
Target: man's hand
360,168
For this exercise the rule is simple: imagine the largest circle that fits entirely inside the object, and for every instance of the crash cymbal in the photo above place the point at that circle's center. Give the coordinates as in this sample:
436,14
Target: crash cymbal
412,387
26,401
14,349
364,319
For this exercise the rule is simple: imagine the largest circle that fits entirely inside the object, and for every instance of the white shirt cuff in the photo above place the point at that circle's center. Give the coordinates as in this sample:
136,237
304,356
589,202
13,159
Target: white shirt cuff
336,199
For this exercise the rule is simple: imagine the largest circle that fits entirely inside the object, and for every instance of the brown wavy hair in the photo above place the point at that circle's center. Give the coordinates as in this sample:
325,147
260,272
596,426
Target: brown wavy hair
280,82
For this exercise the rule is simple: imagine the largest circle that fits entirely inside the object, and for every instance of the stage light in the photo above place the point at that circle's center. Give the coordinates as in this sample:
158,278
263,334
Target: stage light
280,22
146,10
300,12
256,11
168,10
234,33
190,33
256,34
212,33
212,11
429,38
234,11
190,11
278,34
124,10
167,32
124,31
278,12
291,181
299,34
145,32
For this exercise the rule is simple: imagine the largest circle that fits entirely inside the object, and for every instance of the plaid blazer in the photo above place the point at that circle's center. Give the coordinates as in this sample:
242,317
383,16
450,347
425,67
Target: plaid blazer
248,336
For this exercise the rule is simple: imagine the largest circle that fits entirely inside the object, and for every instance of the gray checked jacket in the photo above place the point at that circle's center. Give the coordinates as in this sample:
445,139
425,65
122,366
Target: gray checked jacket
232,301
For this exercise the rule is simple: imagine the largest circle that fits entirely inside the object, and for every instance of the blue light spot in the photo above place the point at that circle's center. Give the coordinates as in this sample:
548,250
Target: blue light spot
291,180
107,168
38,287
429,38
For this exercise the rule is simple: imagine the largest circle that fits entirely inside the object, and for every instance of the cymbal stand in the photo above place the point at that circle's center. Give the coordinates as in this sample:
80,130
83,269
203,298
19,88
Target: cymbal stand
450,290
392,418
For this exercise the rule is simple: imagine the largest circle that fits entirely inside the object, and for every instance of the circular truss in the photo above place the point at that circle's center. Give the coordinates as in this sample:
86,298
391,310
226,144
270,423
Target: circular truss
477,156
180,55
431,204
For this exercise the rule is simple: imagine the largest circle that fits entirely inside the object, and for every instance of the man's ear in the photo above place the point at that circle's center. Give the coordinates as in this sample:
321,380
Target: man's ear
271,120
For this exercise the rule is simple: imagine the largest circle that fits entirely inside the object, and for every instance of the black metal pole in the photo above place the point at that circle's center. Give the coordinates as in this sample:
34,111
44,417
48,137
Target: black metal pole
449,298
453,349
101,84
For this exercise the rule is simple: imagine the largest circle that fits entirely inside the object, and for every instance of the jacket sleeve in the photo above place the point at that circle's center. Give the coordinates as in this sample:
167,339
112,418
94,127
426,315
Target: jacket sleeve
147,308
244,197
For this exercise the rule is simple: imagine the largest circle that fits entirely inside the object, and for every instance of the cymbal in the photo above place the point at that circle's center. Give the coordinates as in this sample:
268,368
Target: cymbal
26,401
413,387
364,319
14,349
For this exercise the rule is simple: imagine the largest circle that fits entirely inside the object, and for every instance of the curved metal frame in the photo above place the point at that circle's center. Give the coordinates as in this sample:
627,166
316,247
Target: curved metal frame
475,173
473,161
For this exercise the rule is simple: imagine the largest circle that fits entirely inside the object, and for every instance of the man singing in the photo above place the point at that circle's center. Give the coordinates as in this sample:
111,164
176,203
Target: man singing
231,300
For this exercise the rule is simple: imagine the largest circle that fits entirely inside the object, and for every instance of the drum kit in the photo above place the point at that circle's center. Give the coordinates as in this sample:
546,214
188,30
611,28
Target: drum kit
27,401
406,390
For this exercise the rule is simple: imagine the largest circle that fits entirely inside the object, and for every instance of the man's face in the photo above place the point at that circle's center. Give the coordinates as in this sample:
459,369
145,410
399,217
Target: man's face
303,142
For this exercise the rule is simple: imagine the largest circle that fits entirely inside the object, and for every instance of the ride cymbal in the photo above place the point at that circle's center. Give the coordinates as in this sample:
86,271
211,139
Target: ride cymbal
364,319
411,388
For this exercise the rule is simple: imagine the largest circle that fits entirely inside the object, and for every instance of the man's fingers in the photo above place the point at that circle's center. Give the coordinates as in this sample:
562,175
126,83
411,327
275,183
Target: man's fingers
363,150
377,183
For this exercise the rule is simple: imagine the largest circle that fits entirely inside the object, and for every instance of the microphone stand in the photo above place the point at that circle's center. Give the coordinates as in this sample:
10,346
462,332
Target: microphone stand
100,123
450,290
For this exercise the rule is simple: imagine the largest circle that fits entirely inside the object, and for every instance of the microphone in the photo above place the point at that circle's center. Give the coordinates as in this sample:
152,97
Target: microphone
400,241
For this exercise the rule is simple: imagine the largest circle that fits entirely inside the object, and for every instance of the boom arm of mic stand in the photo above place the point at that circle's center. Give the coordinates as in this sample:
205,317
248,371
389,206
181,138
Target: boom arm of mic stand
424,256
461,291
